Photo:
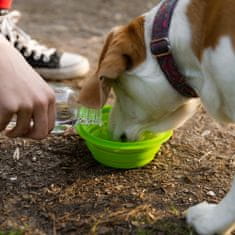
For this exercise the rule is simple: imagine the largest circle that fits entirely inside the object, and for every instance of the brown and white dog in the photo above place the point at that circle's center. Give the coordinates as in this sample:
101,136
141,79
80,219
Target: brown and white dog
202,36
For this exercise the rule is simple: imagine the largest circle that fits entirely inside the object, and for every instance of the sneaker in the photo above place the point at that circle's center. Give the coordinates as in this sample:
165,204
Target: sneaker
48,62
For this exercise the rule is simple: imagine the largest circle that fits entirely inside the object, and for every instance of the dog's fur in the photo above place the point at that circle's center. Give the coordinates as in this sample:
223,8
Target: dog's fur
202,35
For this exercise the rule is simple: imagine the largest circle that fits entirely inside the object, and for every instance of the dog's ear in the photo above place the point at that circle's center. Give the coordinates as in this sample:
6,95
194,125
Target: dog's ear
111,64
124,49
95,92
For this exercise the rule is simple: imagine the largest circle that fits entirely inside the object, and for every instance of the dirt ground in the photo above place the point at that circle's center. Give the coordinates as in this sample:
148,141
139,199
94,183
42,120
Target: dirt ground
55,187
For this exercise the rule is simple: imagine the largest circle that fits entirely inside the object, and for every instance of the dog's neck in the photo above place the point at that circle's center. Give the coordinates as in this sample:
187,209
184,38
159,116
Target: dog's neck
180,39
203,65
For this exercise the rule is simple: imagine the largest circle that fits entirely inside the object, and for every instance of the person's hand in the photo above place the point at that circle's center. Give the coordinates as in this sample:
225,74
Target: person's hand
25,94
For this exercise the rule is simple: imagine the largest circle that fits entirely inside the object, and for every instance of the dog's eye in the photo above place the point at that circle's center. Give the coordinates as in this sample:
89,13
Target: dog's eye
129,62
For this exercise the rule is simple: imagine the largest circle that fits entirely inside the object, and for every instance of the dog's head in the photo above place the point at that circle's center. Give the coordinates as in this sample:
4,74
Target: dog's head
144,98
124,49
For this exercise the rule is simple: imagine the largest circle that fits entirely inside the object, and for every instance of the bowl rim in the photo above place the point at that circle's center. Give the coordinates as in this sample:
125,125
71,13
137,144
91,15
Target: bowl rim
135,145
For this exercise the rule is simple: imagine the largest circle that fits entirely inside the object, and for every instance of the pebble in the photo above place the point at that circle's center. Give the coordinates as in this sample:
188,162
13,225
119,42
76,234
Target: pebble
13,178
205,133
211,193
16,154
34,159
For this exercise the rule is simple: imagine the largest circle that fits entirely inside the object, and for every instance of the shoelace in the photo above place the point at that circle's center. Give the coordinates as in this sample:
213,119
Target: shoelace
18,38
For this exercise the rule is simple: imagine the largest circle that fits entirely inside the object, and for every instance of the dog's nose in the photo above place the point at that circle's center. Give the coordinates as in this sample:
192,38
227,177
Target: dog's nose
123,137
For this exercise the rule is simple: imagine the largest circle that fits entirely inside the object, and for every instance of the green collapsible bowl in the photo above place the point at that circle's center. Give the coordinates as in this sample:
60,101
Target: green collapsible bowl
122,155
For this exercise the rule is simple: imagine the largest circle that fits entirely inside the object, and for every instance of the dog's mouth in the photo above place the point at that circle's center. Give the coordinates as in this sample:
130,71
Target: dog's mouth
131,135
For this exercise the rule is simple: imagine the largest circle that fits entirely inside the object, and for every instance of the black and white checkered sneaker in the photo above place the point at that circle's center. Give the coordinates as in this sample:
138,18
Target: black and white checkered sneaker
48,62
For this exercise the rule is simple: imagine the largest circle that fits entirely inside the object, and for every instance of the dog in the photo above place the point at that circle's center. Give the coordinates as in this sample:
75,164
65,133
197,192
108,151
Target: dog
202,43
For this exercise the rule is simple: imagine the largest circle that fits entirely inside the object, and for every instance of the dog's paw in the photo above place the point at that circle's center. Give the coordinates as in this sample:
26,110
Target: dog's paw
203,218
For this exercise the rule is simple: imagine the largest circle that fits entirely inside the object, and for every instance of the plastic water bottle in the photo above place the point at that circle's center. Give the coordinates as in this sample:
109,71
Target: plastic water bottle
66,107
68,111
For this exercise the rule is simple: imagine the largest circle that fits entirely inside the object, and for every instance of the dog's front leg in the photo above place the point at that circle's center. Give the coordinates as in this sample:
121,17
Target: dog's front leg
209,219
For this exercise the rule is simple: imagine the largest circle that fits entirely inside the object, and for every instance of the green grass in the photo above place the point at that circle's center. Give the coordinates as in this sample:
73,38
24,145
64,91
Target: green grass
12,232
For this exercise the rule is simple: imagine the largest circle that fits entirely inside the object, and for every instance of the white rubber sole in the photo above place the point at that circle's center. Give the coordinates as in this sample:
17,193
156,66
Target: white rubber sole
64,73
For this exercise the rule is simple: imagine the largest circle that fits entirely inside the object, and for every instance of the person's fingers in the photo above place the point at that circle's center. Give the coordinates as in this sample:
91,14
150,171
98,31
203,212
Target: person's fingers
40,123
51,113
5,118
22,124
